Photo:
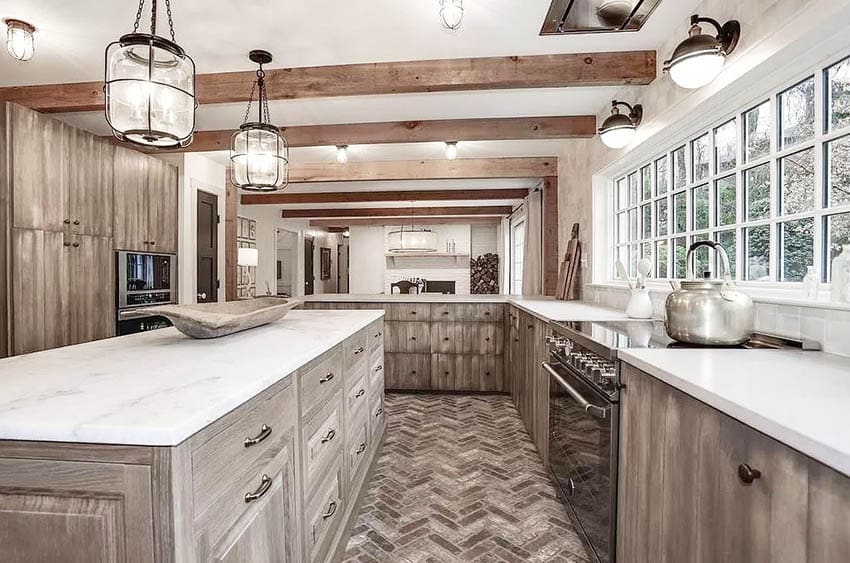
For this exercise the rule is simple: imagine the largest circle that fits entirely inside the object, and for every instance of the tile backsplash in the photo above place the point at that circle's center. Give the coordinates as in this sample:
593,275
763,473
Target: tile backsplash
829,327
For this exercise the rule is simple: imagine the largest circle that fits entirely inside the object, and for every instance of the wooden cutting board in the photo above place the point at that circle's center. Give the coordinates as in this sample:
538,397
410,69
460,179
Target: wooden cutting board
569,266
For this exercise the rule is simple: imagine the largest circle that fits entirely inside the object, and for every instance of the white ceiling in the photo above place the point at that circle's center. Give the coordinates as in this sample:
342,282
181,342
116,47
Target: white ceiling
218,34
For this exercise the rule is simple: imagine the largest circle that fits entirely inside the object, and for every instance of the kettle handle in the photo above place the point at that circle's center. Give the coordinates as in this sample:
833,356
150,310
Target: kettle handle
724,258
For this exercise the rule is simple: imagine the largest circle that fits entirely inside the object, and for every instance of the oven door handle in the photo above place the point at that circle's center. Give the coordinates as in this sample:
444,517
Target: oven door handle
588,407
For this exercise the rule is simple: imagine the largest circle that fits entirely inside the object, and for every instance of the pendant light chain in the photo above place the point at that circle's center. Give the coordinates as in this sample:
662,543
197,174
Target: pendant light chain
153,18
263,114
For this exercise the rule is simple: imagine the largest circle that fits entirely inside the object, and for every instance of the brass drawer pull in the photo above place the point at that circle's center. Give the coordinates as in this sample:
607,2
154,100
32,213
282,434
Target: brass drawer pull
359,350
413,312
487,339
327,378
445,312
379,368
379,334
361,448
265,432
265,485
331,510
379,412
329,436
413,338
359,394
487,313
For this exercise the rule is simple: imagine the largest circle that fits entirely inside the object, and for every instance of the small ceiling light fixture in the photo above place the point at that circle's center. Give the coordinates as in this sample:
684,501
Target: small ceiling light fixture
342,154
19,39
618,130
149,86
451,150
258,152
698,60
451,13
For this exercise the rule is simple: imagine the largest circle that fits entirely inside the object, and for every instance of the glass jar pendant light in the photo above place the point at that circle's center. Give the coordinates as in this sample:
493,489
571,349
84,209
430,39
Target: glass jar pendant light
259,154
19,39
149,86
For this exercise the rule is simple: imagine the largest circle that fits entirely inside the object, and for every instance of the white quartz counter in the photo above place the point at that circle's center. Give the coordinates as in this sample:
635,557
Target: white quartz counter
546,308
798,398
158,388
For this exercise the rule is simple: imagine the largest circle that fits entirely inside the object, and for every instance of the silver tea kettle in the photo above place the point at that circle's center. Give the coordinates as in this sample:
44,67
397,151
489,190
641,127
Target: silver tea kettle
709,312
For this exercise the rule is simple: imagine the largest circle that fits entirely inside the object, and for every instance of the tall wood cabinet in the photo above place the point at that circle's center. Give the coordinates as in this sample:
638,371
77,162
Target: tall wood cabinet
74,199
698,485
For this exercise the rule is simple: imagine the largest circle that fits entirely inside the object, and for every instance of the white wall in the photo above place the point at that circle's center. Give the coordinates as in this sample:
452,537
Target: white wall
196,172
367,262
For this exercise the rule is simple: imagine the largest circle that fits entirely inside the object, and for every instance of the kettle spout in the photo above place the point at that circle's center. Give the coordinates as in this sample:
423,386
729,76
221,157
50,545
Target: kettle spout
675,285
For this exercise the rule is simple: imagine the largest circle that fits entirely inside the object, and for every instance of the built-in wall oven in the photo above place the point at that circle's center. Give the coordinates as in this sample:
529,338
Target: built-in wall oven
144,279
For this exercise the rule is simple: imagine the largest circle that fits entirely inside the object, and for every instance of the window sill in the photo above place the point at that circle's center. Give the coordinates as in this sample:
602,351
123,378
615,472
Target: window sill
790,298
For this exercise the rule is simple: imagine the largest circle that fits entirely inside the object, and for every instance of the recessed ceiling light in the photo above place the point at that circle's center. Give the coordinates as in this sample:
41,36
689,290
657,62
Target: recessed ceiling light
698,60
618,130
19,39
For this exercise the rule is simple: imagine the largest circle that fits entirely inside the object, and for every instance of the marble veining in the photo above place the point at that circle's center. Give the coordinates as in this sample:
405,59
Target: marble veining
158,388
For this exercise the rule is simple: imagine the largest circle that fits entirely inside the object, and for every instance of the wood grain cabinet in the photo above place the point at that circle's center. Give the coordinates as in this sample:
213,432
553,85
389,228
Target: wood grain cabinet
698,485
145,216
276,480
408,371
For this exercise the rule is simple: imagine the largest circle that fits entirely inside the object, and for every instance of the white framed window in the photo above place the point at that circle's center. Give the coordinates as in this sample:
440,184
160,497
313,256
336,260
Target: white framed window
517,256
770,182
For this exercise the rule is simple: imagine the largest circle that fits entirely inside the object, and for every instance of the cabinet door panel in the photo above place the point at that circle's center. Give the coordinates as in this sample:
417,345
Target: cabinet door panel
447,338
266,532
91,184
162,206
92,310
39,168
466,372
130,177
408,371
74,511
410,338
39,293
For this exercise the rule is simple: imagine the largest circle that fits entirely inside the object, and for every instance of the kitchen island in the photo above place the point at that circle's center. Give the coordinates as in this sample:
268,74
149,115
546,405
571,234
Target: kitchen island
158,447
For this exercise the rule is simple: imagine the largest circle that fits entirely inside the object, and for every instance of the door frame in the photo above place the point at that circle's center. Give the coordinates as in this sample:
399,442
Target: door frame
218,241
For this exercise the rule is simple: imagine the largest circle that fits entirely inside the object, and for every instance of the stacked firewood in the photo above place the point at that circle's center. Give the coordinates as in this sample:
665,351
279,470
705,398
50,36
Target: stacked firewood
484,274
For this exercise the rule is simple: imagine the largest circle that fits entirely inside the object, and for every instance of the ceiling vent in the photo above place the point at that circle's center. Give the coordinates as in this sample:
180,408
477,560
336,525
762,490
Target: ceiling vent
596,16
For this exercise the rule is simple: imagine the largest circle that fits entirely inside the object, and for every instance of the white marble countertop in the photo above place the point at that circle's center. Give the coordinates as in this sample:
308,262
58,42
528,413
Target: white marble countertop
546,308
158,388
798,398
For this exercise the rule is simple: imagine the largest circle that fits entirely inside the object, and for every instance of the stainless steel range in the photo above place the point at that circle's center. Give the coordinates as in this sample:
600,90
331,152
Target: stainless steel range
584,398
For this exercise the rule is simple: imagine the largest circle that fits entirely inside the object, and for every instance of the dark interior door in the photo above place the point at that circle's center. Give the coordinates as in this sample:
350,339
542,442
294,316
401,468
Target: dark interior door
309,276
207,248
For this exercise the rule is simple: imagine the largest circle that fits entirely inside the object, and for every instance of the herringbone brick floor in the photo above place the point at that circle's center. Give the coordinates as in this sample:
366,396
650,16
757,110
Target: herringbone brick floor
460,480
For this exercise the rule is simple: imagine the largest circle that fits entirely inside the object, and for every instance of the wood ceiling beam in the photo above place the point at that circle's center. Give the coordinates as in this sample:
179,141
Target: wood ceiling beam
283,198
495,129
403,212
445,75
396,221
397,170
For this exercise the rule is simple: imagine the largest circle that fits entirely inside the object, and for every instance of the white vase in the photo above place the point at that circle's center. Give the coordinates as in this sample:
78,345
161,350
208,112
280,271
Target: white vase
811,283
840,277
640,305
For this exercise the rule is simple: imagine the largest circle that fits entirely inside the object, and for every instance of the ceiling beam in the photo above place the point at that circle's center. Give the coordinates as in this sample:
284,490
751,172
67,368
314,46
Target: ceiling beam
494,129
283,198
445,75
397,170
405,212
396,221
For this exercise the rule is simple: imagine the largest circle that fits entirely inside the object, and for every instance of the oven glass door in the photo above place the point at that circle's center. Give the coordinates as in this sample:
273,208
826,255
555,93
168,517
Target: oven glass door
580,447
148,272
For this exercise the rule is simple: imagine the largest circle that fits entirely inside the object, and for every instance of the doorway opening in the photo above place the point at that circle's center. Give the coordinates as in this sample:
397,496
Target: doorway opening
207,247
309,273
342,256
286,263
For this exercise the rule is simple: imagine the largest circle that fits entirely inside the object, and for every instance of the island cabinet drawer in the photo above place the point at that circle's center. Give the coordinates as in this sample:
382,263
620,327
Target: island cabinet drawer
470,312
375,334
358,449
324,514
356,348
377,369
408,312
320,379
376,379
377,415
225,453
407,371
322,437
358,398
467,372
261,504
409,338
